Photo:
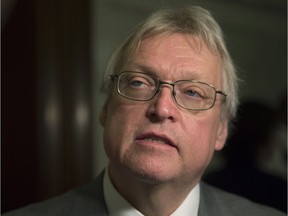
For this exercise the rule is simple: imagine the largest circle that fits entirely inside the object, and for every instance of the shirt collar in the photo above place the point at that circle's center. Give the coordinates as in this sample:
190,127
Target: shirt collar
119,206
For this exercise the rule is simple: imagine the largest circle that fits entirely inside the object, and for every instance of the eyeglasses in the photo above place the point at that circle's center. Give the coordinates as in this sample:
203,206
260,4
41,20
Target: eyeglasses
188,94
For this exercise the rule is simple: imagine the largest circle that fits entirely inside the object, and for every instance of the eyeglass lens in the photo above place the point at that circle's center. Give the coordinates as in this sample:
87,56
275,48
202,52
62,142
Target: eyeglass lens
188,94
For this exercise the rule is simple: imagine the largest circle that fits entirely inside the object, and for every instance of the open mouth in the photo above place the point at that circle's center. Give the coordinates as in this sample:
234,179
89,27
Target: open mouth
157,139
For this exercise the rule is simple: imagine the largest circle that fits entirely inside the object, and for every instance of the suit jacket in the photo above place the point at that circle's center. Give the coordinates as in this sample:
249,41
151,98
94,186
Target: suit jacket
88,200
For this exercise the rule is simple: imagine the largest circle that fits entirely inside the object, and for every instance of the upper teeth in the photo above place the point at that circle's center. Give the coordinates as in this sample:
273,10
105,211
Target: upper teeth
155,139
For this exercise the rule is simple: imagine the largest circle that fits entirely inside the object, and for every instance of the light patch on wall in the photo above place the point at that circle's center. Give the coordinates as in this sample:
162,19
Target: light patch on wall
81,115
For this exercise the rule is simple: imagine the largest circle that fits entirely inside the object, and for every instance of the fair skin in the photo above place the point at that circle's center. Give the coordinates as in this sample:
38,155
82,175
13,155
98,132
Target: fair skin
156,176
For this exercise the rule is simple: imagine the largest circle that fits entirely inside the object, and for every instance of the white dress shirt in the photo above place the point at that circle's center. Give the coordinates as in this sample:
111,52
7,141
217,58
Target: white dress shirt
119,206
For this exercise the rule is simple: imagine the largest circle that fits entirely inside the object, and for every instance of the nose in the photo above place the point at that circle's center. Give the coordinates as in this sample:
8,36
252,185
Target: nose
163,105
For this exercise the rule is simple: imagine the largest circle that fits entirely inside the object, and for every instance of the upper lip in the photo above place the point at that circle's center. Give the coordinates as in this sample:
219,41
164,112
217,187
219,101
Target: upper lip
157,136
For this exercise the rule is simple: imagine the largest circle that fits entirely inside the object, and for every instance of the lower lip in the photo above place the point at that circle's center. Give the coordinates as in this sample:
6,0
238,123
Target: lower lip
154,144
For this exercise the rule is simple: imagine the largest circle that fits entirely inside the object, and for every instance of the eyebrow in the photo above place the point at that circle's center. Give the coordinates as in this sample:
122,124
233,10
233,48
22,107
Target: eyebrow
188,75
142,68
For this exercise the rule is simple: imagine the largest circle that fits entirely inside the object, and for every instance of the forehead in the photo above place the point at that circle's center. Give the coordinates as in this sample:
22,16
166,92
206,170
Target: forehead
176,41
176,54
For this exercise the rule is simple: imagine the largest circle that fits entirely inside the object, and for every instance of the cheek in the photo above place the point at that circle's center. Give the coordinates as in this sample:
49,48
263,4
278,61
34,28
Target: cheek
120,125
201,141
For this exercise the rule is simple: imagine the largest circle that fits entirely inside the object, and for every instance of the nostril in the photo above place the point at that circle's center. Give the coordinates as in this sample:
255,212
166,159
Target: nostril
154,118
170,118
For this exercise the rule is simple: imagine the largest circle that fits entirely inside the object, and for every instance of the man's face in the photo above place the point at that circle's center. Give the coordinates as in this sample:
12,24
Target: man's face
158,141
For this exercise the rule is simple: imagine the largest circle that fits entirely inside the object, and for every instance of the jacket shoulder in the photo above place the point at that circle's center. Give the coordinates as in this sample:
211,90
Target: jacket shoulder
85,200
214,201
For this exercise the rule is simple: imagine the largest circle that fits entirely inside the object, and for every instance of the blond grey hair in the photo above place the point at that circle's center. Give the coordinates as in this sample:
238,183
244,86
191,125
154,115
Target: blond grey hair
191,20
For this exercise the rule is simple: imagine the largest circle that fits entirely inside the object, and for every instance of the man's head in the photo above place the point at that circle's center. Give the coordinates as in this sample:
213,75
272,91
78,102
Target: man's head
163,140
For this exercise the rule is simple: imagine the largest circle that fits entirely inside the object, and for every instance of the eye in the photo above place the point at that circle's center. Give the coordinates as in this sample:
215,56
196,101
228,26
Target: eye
138,81
194,92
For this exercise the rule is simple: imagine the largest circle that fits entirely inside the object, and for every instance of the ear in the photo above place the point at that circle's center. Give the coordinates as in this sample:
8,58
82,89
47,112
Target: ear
103,115
222,134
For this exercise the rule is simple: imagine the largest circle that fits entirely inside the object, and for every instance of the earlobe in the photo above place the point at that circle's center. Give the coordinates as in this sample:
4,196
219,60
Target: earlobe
222,134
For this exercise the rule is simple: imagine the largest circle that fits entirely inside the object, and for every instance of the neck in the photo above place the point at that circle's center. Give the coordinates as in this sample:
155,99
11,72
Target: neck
151,198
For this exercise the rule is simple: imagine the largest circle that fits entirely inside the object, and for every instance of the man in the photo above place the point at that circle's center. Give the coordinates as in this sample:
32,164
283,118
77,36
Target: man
171,94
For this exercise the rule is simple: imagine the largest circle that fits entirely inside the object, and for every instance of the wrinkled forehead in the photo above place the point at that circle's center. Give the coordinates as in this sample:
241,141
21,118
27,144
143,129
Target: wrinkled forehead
182,43
196,43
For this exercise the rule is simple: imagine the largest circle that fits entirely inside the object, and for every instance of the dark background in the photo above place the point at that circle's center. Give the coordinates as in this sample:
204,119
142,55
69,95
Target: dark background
46,73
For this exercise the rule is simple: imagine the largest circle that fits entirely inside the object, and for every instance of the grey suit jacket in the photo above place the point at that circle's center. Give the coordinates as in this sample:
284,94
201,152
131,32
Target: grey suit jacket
88,200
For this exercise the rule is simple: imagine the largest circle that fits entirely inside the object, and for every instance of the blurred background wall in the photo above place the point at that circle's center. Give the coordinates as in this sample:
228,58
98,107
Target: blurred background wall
46,99
52,57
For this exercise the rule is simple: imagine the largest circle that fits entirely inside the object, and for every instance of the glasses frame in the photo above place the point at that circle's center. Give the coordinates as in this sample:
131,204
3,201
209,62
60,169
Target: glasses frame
158,88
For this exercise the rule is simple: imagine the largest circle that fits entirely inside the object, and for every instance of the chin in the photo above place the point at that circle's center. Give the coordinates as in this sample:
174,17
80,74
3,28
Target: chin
152,174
